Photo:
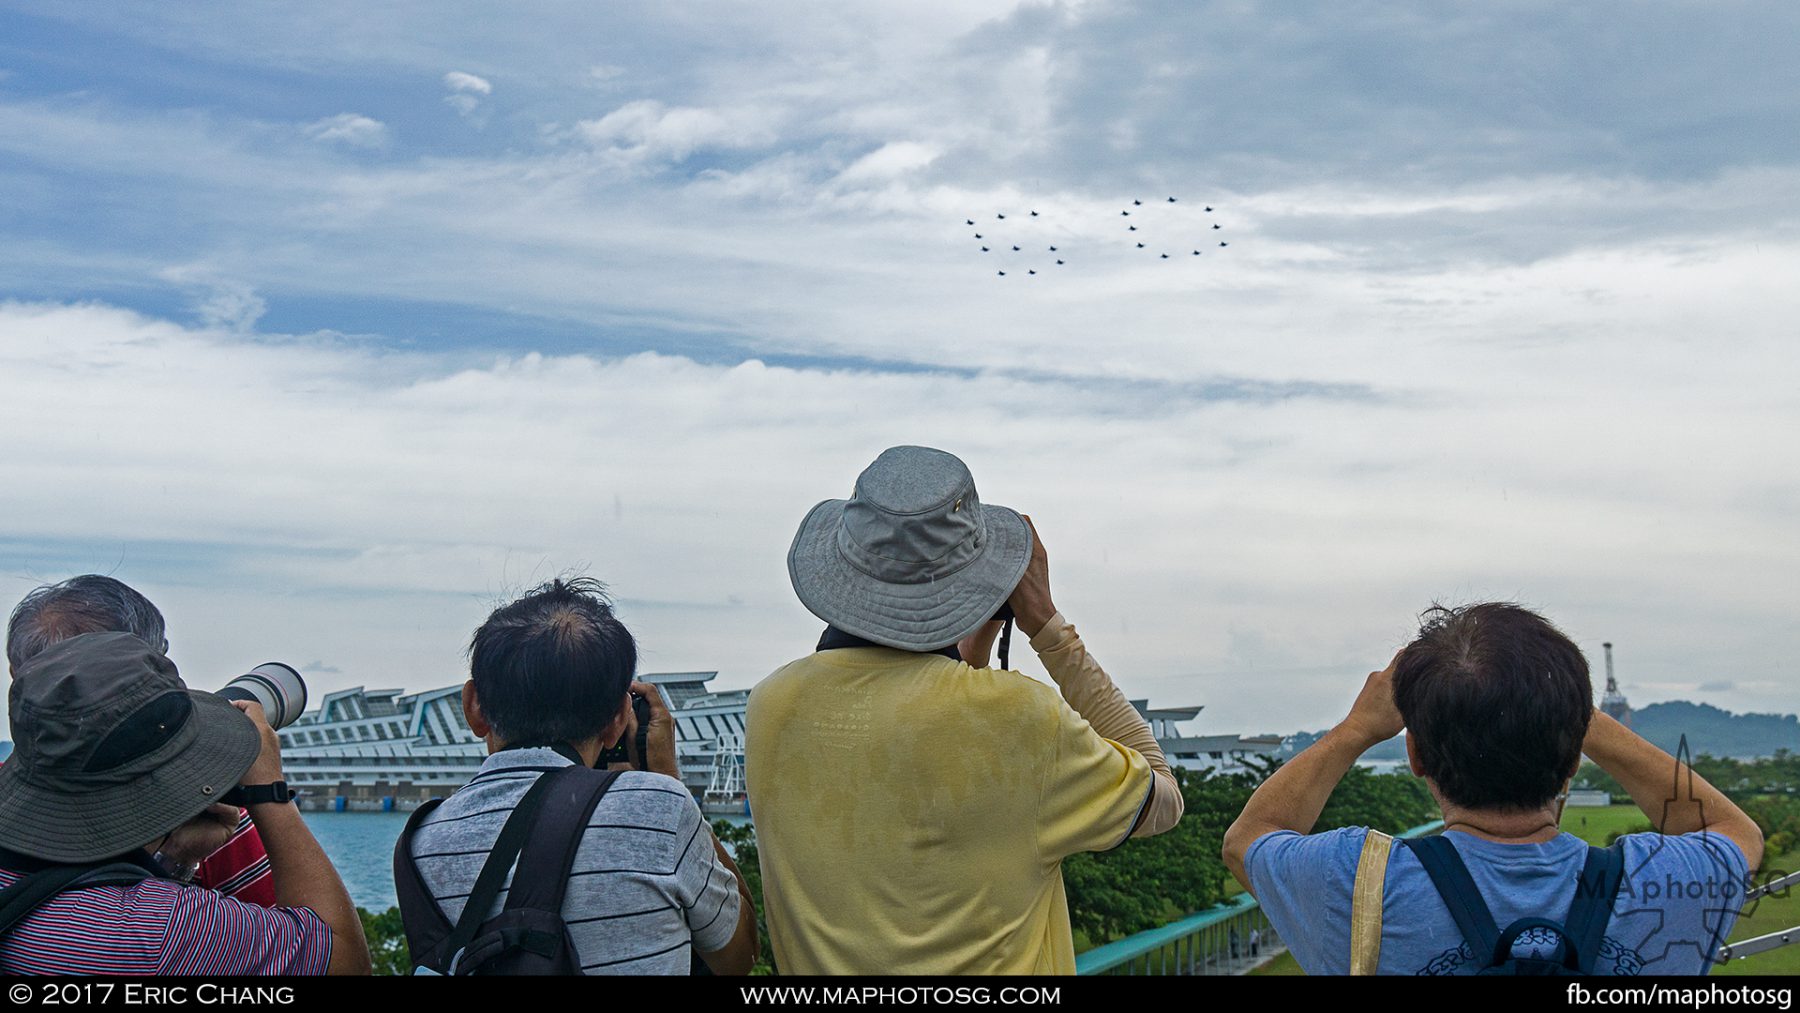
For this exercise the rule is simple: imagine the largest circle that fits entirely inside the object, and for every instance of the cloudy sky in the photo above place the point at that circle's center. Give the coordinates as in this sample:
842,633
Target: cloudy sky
328,327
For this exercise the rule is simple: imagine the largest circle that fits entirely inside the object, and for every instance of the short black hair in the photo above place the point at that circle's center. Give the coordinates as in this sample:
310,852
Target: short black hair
552,666
1497,702
90,603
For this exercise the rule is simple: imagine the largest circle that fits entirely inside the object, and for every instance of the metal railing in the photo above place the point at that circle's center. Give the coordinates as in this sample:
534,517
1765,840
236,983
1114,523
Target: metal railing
1772,941
1215,941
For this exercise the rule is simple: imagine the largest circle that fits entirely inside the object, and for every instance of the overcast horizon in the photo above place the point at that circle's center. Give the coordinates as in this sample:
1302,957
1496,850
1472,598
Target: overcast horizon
330,327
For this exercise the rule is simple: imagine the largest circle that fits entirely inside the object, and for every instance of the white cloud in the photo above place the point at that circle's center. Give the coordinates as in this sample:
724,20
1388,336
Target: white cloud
466,92
648,130
890,160
458,80
349,128
604,74
232,307
369,506
220,303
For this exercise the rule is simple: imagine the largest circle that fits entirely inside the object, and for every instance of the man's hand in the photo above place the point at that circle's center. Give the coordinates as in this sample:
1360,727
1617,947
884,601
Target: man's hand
1674,798
1031,603
1374,717
199,837
977,647
304,876
660,742
267,768
1293,796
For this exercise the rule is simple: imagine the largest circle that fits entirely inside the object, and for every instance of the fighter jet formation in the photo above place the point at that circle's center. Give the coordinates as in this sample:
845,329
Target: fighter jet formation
1154,229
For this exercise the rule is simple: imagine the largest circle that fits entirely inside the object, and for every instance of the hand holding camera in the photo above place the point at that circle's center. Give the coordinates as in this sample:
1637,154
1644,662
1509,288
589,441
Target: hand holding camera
182,851
649,739
1030,601
1374,716
267,767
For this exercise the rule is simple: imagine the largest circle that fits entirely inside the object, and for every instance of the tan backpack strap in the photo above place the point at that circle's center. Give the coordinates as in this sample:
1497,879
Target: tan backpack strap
1365,903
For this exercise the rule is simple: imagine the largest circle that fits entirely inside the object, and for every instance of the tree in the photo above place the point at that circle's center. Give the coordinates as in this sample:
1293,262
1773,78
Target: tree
740,840
1150,881
387,941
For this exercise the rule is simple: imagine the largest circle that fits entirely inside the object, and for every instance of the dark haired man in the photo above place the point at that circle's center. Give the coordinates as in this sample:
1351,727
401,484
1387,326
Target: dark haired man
550,686
1498,710
227,852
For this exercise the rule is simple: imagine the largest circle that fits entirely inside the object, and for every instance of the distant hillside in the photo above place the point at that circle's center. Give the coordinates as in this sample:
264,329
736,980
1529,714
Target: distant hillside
1392,749
1709,731
5,751
1716,732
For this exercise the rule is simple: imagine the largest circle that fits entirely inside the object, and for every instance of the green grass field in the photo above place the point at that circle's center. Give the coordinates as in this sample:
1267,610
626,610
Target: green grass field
1595,825
1770,914
1282,965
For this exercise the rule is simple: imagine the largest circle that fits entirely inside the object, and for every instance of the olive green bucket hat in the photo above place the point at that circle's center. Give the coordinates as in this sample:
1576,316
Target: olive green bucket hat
111,750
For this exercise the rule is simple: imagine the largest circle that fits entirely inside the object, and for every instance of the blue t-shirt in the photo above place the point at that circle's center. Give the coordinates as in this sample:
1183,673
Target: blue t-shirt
1680,898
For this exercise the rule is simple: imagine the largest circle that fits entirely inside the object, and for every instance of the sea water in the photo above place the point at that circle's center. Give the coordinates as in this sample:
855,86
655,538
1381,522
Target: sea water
361,845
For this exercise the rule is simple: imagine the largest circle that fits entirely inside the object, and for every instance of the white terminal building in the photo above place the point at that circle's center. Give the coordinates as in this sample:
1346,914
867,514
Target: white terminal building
388,749
1217,754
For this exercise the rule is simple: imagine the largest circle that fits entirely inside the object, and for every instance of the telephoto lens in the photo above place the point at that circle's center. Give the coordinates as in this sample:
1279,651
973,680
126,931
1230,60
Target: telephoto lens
277,687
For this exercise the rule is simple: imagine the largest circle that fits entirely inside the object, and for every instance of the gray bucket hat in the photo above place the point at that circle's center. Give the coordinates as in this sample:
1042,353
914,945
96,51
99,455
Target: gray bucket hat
111,750
912,559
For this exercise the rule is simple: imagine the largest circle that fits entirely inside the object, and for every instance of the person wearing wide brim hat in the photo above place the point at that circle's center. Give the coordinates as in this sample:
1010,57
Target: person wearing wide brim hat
913,559
102,764
912,804
112,756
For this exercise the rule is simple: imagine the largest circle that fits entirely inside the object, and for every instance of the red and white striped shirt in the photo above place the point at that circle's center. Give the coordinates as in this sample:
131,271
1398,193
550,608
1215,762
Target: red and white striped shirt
241,868
162,927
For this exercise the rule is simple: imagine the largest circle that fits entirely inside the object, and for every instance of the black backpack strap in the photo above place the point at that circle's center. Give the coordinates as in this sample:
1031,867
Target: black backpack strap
570,795
493,872
1454,885
30,892
1595,892
413,895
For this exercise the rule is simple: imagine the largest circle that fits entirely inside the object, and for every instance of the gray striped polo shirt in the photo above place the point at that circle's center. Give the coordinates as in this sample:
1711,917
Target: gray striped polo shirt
646,886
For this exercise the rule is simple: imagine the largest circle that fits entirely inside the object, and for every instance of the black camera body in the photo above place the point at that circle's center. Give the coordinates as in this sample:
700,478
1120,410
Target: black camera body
1005,615
618,753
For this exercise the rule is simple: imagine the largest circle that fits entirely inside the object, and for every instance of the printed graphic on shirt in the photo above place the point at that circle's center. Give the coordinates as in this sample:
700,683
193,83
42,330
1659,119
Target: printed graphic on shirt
1541,944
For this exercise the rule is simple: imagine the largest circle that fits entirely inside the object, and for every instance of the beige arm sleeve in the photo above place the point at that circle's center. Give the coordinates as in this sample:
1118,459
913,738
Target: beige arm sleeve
1090,691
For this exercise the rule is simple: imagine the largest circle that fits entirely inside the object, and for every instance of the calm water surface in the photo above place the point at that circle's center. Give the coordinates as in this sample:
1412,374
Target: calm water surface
361,845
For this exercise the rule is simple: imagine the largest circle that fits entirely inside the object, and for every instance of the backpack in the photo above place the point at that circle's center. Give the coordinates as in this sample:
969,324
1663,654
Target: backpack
528,936
1580,931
